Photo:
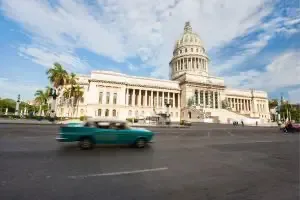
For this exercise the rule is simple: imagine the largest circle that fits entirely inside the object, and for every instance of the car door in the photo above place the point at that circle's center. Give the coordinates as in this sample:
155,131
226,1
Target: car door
125,134
105,134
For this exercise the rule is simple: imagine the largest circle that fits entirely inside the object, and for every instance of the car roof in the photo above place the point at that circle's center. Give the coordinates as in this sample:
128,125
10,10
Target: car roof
106,120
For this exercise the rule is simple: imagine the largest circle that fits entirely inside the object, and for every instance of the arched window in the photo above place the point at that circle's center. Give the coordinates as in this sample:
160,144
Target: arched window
176,114
114,113
136,113
99,112
190,115
192,49
142,113
106,113
171,114
129,113
185,50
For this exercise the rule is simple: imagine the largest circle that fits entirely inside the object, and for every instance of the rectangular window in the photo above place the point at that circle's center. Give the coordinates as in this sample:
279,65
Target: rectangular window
115,98
100,97
107,97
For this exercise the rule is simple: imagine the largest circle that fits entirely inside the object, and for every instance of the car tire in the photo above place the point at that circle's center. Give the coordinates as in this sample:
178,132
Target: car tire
86,143
140,143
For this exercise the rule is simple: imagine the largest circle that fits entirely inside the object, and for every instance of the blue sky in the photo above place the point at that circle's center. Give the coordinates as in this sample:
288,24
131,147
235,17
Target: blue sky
252,44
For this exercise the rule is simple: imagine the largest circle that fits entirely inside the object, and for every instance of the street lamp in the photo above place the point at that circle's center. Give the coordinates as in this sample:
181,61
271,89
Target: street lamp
167,104
18,105
54,95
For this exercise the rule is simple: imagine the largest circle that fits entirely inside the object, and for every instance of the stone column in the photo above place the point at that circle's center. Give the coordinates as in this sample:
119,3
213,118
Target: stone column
157,99
199,97
127,96
133,97
151,99
219,100
214,98
163,99
178,96
204,98
173,106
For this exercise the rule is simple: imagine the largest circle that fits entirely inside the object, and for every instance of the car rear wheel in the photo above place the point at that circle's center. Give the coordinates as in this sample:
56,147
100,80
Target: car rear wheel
140,143
86,143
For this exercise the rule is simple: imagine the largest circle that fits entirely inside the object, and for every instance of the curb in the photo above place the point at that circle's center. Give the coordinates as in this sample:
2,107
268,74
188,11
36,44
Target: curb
58,124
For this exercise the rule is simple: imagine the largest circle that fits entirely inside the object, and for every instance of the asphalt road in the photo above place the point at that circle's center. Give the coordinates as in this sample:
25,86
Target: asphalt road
201,162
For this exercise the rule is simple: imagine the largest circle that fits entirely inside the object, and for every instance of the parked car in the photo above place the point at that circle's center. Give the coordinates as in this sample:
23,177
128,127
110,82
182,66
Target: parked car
291,128
104,131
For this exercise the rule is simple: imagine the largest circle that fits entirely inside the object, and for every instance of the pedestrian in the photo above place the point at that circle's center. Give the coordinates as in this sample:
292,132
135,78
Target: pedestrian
242,123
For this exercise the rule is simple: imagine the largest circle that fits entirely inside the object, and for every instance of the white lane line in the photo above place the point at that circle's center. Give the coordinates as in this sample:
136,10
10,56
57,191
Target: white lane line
263,141
230,133
119,173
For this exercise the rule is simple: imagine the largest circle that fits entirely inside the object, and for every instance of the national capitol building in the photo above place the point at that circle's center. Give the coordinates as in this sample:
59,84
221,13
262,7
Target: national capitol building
193,94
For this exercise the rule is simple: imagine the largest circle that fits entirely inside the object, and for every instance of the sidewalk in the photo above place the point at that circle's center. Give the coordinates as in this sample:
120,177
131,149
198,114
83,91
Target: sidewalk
46,122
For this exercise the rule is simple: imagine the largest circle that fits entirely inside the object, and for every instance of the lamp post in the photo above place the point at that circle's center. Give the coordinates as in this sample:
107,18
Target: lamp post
53,94
17,105
167,104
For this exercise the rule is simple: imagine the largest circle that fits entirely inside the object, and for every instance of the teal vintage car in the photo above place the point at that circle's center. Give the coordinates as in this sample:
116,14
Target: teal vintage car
104,131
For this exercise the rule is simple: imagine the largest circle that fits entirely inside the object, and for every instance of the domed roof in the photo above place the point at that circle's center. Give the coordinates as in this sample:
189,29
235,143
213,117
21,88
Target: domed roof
189,37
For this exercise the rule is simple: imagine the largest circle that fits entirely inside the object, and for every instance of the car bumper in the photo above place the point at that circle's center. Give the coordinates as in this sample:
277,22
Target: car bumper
61,139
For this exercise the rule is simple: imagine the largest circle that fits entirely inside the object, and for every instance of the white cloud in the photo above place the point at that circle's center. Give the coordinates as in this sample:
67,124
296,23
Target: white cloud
283,72
122,29
46,57
294,95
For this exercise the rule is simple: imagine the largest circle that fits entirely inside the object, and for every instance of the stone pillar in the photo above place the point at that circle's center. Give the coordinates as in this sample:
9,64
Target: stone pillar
179,104
151,99
133,97
204,98
214,98
127,96
163,99
199,97
157,99
173,106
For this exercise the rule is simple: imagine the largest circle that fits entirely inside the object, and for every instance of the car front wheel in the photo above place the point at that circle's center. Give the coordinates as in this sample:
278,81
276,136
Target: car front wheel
140,143
86,143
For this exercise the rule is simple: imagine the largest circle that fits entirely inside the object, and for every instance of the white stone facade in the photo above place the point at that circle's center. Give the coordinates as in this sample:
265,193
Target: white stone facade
192,93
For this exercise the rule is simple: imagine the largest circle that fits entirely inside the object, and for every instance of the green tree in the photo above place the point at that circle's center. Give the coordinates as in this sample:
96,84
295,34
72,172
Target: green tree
273,103
57,75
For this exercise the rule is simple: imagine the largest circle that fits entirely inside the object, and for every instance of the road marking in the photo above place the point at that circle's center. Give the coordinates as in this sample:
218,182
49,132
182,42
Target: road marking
119,173
230,133
263,141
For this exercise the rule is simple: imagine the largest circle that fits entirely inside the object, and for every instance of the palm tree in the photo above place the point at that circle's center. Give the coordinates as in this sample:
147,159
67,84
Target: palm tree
78,94
57,75
41,98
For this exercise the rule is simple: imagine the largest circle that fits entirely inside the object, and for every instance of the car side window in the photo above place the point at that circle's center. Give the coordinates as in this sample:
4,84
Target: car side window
103,125
118,126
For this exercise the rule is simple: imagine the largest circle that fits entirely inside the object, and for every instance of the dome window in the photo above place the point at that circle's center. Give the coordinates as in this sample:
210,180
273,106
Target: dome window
192,49
197,50
180,51
185,50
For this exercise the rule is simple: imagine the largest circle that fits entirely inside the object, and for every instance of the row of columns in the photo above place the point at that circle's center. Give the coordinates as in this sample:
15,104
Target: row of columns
240,104
190,63
261,106
151,98
208,98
